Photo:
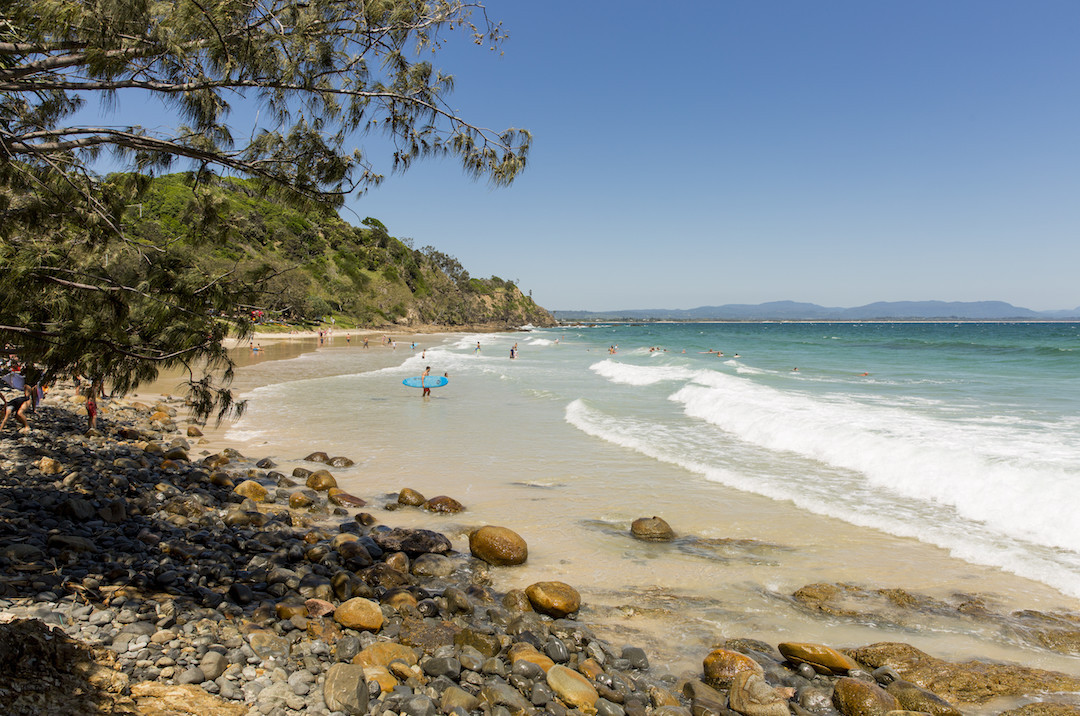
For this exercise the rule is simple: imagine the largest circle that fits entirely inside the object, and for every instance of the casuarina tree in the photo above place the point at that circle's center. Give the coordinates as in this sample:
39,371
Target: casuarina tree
280,92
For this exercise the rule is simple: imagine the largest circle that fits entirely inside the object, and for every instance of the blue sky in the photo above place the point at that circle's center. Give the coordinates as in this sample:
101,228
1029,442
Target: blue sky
708,152
699,153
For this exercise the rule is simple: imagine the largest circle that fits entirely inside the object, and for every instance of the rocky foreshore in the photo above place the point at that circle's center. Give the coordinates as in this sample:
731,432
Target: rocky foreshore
140,576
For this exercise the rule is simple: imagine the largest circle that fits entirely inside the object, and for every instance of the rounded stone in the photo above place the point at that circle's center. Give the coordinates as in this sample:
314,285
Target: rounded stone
722,666
652,529
556,599
573,688
854,697
321,480
300,500
252,490
823,659
432,565
344,499
359,613
410,497
498,546
523,651
444,504
317,457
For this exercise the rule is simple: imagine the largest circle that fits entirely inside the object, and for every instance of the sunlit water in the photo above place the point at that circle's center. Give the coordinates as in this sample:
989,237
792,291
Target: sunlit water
951,466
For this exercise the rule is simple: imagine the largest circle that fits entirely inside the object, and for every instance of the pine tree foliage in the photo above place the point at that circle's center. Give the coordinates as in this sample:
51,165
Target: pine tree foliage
79,291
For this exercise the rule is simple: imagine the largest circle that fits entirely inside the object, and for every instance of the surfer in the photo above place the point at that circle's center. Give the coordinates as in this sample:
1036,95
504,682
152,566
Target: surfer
477,351
423,382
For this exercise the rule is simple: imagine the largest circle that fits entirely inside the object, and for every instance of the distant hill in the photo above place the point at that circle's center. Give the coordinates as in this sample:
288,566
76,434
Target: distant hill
795,311
324,266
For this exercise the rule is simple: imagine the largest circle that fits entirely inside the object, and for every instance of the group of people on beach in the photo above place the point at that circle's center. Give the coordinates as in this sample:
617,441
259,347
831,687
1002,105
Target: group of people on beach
30,390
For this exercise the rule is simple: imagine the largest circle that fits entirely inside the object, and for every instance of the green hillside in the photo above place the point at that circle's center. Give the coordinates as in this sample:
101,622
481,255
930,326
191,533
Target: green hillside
321,265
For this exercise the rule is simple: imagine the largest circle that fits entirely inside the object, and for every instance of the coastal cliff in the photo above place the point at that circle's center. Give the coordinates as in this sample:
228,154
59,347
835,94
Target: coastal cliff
319,266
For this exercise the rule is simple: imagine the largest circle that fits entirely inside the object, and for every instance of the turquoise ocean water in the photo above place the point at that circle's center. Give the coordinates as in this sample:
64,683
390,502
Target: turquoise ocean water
929,456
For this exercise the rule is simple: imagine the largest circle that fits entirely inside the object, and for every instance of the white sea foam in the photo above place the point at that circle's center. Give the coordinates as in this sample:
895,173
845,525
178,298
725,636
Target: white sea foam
837,492
981,471
629,374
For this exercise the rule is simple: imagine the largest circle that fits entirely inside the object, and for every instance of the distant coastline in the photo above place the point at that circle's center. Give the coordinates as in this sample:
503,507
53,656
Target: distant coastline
881,312
853,321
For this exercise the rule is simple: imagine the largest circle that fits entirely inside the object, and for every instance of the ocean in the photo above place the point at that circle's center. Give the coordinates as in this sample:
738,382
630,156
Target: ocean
940,459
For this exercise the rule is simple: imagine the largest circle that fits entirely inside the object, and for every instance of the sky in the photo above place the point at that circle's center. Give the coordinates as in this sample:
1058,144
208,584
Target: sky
706,152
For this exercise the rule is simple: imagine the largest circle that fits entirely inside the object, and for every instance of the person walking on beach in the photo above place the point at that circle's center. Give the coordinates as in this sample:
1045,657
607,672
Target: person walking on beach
91,404
423,382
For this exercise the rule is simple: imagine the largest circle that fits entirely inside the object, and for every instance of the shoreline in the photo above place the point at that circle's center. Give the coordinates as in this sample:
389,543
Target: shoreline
652,615
78,484
42,444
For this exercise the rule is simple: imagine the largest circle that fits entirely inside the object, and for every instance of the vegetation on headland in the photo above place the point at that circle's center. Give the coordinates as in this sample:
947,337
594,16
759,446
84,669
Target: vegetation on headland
317,265
83,292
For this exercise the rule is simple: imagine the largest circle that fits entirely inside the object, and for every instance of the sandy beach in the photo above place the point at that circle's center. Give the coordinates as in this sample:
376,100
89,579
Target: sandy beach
497,474
156,618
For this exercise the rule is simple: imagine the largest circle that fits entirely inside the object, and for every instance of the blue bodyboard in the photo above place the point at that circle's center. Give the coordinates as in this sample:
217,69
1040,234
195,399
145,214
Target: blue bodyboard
432,381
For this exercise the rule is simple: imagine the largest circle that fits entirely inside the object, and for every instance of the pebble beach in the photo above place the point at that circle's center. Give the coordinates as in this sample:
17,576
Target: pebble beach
143,569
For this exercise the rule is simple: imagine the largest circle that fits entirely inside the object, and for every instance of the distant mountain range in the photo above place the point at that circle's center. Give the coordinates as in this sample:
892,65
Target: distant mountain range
795,311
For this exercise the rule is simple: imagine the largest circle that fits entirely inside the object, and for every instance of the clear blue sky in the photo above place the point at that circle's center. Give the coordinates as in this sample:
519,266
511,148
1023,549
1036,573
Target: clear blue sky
711,151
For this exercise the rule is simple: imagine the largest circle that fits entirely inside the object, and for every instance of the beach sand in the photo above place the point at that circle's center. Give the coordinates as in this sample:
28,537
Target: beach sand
723,578
629,609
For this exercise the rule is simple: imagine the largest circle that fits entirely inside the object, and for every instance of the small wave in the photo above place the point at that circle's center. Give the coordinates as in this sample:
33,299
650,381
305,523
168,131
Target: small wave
629,374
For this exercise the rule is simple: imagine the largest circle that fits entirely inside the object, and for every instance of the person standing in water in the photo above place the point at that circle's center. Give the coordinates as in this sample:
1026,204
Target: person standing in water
423,382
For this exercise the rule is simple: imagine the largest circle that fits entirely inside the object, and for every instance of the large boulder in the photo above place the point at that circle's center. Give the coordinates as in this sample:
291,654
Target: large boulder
321,480
359,613
721,667
652,529
410,497
556,599
252,490
573,688
444,504
498,546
